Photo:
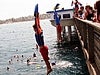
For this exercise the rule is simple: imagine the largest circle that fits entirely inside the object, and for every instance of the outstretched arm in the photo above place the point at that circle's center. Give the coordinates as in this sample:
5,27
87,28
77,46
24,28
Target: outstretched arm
79,3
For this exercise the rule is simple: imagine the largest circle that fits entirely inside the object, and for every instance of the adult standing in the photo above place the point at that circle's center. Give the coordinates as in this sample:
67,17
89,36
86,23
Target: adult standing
76,8
97,6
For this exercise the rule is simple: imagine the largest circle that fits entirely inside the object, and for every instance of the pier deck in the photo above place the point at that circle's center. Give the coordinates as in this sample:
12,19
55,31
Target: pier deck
64,22
89,36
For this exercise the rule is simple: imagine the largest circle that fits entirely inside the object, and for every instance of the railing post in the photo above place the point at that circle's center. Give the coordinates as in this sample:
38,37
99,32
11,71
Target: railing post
64,32
91,43
80,29
69,33
84,27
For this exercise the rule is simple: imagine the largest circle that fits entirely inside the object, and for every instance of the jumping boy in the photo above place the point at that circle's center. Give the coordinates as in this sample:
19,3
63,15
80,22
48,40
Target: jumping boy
40,40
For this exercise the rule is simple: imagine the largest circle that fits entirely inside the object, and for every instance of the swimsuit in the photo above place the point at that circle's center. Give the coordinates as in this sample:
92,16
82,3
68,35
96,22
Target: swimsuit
39,39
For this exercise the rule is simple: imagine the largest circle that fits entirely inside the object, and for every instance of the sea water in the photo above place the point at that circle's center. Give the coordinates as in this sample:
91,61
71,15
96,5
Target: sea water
18,39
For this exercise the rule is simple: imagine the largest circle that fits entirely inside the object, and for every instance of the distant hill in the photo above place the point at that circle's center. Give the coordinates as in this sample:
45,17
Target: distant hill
21,19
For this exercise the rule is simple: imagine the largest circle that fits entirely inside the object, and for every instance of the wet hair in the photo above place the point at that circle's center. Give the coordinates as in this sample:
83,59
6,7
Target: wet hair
22,56
8,68
28,60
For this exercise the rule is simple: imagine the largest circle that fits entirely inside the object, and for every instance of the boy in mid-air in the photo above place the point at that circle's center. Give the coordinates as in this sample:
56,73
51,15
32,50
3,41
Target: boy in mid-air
40,41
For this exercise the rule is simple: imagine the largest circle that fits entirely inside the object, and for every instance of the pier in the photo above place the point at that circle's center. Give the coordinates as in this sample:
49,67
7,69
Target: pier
89,36
70,22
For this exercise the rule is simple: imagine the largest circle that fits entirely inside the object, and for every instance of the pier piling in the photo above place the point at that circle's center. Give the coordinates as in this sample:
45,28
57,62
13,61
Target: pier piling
69,33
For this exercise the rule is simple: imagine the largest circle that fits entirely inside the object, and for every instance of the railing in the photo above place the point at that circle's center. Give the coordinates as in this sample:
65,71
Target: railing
89,35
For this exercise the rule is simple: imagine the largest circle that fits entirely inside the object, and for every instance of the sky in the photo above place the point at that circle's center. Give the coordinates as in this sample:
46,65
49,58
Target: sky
19,8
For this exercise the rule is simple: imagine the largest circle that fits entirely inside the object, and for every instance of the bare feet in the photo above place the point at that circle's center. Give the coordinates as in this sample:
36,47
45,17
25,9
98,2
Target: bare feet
48,71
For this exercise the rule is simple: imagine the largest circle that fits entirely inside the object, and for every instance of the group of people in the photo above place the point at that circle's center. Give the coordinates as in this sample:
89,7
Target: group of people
87,12
23,59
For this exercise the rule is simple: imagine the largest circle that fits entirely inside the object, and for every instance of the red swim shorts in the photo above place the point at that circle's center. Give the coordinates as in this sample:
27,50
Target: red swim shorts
44,52
59,29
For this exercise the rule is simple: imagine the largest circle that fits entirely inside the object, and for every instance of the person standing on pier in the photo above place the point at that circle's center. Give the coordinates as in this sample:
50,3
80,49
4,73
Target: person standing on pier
97,6
58,26
40,41
88,15
76,8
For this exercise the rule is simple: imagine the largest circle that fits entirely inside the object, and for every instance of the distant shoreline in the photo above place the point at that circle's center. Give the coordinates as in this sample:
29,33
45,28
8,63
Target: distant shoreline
23,19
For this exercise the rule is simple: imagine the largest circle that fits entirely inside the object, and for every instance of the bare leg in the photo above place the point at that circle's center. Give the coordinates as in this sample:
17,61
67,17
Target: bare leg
48,67
44,53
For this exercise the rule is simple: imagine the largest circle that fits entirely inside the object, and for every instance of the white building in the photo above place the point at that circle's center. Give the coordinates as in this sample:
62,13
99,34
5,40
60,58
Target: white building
64,13
66,17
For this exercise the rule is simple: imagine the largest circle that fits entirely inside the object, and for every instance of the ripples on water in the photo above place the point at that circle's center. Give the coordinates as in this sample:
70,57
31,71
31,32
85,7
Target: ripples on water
18,39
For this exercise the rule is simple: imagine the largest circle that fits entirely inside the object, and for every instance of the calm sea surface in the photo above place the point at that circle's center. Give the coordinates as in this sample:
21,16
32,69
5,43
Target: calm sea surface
17,39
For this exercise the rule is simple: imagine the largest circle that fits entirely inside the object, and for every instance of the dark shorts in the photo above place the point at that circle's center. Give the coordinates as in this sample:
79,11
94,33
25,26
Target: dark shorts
39,39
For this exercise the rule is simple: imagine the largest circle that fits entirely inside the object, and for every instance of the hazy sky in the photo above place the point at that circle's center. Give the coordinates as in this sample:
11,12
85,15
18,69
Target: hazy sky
18,8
